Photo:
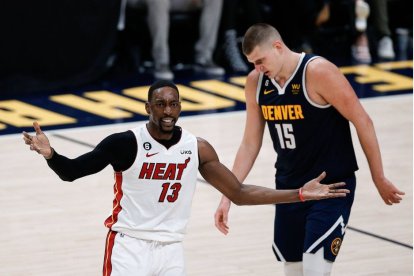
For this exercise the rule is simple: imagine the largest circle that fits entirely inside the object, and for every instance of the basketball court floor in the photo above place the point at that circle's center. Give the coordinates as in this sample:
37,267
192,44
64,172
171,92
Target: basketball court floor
51,227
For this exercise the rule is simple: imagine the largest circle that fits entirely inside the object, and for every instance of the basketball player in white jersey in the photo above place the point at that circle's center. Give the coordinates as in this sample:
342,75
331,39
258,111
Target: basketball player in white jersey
155,167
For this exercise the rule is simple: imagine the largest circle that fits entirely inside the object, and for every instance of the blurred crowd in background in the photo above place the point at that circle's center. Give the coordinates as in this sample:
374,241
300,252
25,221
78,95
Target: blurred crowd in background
58,45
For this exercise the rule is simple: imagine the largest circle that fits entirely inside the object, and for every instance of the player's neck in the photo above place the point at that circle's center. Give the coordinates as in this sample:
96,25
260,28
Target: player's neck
157,134
289,67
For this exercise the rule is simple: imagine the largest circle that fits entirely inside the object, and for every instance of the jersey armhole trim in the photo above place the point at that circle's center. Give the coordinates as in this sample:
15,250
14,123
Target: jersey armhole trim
259,86
305,92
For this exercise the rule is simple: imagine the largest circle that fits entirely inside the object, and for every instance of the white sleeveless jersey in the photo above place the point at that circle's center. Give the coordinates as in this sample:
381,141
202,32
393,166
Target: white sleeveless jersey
153,197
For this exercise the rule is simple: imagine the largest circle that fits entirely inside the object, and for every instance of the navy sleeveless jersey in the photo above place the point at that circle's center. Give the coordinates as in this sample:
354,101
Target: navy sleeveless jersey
308,138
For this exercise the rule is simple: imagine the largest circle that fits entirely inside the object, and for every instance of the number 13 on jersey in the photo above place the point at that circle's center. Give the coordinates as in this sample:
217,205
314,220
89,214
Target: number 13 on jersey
174,189
285,135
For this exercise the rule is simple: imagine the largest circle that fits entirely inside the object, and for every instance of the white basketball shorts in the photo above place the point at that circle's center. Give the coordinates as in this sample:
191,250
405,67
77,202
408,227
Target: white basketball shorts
125,255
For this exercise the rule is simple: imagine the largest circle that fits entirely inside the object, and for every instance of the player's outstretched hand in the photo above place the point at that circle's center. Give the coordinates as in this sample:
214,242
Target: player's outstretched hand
314,190
39,142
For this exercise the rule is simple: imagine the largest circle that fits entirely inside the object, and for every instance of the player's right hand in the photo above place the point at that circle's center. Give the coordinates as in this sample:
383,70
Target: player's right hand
39,142
221,216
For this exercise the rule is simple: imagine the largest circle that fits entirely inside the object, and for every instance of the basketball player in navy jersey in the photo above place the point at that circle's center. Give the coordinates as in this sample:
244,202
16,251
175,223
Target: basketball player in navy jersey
155,167
307,104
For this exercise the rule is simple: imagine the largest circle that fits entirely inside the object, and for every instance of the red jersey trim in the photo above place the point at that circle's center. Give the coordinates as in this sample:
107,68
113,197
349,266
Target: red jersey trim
111,220
110,240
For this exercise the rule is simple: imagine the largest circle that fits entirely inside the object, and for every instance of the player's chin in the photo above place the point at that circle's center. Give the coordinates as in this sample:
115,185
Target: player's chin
167,129
269,74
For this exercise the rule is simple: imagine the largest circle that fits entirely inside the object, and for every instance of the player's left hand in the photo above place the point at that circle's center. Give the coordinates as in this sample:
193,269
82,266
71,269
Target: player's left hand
314,190
389,193
221,216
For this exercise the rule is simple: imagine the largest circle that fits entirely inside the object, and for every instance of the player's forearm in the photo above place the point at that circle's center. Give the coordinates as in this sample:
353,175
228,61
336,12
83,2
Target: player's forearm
243,163
251,143
370,146
256,195
63,167
72,169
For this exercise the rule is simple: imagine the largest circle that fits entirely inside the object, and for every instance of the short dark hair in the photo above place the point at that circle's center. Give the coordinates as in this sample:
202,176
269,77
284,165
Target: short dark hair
258,34
159,84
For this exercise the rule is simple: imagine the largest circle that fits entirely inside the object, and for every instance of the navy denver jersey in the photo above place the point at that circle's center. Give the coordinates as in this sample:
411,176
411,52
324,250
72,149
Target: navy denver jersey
309,138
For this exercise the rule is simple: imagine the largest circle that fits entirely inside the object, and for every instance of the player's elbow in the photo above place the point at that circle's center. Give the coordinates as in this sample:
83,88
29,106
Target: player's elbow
237,201
237,198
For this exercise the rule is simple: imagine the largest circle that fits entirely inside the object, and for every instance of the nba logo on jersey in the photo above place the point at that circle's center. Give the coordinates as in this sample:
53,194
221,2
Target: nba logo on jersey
267,83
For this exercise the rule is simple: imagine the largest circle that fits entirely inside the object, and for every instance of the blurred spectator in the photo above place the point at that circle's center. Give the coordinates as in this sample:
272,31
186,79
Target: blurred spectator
372,20
400,14
298,21
405,43
381,30
236,16
56,45
158,19
360,48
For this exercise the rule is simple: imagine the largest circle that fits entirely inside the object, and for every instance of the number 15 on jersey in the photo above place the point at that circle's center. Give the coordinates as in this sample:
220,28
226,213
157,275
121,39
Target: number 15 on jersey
285,135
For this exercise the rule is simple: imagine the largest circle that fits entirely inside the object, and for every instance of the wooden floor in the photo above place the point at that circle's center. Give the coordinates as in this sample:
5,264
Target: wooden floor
49,227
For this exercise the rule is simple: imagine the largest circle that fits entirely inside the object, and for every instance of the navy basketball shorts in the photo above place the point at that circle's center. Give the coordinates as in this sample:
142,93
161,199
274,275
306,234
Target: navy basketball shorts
305,227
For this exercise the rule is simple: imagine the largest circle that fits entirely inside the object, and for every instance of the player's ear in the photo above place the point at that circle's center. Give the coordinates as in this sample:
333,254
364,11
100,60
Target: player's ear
277,44
148,108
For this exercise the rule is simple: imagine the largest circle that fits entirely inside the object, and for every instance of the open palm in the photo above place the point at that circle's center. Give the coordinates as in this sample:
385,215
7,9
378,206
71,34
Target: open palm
314,190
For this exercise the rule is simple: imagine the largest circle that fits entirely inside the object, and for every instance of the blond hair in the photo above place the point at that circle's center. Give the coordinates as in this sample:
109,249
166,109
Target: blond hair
258,34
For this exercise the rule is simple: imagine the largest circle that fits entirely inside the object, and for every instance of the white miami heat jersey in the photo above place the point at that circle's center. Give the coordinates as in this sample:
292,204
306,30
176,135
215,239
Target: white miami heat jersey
153,198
